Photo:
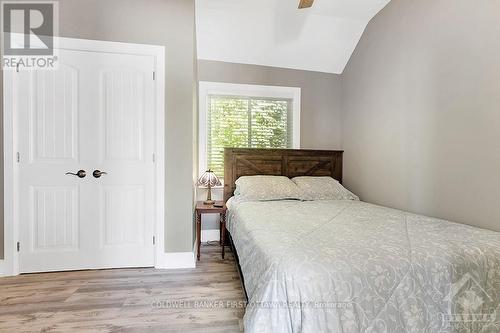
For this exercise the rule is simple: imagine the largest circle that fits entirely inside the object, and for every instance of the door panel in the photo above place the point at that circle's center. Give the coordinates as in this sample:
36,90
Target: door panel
123,207
55,218
127,134
123,100
53,114
96,112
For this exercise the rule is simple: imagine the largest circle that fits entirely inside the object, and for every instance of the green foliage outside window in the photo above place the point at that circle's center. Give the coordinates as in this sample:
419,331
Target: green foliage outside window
246,122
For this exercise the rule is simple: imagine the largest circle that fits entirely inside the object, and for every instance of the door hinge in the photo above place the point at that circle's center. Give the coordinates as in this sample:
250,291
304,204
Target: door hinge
154,158
154,76
153,240
18,246
18,157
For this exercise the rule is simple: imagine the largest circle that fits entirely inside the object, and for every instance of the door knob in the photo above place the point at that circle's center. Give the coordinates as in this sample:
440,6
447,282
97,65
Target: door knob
98,174
80,173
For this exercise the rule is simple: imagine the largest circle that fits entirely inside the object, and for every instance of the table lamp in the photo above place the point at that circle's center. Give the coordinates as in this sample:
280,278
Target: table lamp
209,180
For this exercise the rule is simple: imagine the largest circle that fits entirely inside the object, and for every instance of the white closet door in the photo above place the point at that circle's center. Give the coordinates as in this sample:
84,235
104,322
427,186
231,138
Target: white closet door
96,112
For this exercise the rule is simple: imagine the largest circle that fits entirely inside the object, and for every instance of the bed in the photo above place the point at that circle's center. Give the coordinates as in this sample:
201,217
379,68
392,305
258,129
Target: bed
350,266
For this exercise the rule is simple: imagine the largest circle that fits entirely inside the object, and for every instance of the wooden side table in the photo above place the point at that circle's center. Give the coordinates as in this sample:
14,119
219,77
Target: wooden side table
210,209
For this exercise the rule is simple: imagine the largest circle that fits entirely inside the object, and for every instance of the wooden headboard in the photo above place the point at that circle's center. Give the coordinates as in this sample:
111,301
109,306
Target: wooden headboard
279,162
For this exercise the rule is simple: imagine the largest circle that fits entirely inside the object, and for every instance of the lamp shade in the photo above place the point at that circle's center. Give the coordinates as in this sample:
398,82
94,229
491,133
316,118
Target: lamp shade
209,179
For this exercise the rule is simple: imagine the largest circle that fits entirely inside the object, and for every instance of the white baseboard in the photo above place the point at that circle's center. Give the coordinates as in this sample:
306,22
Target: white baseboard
210,235
5,269
176,260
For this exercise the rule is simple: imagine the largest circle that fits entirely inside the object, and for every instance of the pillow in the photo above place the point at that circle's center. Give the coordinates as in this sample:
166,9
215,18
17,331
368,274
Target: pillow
322,188
264,188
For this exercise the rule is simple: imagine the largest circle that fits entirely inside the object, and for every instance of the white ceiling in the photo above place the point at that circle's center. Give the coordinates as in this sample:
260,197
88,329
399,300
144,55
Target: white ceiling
275,33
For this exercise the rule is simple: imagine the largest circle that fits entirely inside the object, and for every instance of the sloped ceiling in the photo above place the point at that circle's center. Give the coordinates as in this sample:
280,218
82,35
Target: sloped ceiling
275,33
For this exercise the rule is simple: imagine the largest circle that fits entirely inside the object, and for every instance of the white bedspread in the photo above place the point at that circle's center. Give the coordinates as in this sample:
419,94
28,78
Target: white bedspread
349,266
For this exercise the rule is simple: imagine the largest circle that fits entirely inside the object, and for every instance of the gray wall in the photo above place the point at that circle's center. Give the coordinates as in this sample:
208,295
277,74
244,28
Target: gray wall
161,22
421,110
320,102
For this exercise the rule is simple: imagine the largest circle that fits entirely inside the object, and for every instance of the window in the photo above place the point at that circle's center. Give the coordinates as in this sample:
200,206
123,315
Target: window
241,116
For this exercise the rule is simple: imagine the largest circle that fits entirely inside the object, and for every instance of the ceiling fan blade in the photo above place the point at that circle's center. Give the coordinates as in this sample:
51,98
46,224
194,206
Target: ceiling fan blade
305,3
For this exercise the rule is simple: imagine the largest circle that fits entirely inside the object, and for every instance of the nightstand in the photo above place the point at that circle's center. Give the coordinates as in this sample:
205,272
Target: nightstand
210,209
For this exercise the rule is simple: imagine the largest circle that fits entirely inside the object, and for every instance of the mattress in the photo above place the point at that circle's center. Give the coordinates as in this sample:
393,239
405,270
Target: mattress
350,266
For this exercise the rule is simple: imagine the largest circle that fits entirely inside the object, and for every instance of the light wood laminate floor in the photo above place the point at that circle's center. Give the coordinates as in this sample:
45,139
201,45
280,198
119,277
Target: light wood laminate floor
207,299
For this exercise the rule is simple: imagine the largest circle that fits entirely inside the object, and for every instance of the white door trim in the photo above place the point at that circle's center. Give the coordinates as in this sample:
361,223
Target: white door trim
10,264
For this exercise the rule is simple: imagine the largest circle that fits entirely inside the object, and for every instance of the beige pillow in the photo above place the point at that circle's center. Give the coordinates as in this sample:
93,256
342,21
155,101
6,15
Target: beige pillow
322,188
264,188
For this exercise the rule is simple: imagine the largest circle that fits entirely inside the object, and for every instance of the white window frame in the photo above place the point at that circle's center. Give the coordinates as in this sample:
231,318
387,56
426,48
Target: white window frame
232,89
